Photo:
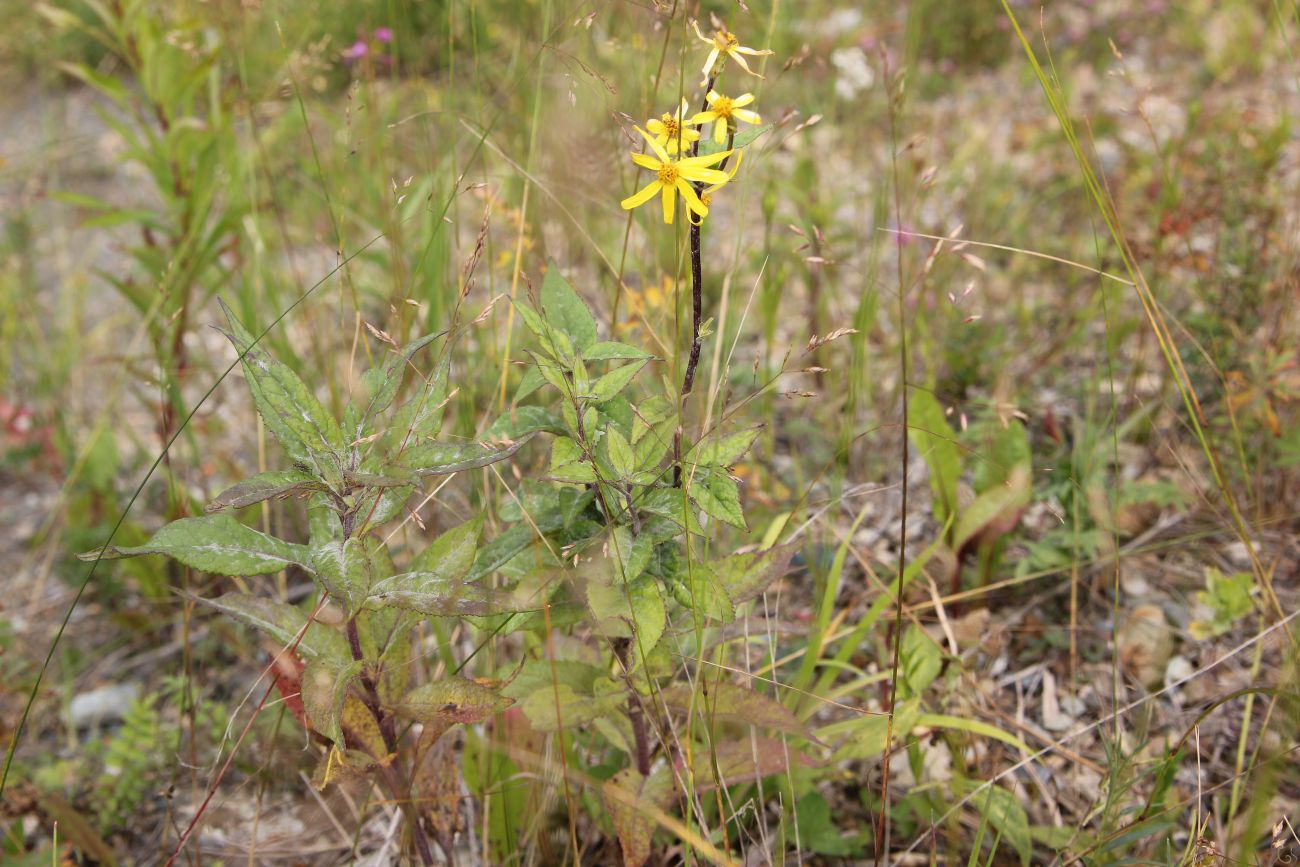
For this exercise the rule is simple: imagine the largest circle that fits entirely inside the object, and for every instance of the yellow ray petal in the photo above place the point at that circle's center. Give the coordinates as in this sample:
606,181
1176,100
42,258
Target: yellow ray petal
670,203
703,160
705,176
741,61
747,116
713,58
743,99
646,161
753,52
704,117
641,196
654,145
692,200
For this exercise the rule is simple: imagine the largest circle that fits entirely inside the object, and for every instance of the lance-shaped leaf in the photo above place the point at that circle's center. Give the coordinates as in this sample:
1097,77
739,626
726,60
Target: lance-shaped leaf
443,459
265,486
746,576
419,420
731,703
928,428
382,382
564,310
612,384
608,350
453,700
287,404
521,421
552,708
996,511
438,596
350,568
283,622
218,544
324,691
452,553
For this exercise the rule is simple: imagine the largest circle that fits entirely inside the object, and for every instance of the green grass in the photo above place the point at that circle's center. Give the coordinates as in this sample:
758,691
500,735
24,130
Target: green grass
1077,406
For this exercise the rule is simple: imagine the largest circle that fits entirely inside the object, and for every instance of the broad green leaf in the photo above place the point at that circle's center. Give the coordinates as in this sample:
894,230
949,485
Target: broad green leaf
565,310
937,443
264,486
283,622
453,700
746,576
443,459
552,708
998,447
565,451
419,420
324,691
217,544
612,384
608,350
722,451
627,610
532,381
1001,810
671,504
699,591
452,553
818,831
621,456
653,443
731,703
438,596
350,568
539,673
921,660
287,405
996,511
717,496
523,420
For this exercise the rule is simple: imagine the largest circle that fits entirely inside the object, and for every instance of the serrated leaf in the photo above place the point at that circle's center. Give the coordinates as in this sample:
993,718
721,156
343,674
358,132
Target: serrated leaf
565,310
453,700
531,381
217,544
746,576
419,420
609,350
539,673
350,568
621,456
718,497
551,708
743,138
732,703
523,420
700,592
722,451
443,459
612,384
291,411
452,553
629,610
324,691
669,503
652,443
283,622
264,486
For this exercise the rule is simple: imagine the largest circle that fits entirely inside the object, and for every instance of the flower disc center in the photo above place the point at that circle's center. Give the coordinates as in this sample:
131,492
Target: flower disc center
668,174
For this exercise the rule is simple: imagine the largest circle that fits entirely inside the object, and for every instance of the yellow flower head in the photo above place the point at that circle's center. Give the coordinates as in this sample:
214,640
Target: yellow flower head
706,195
724,112
675,176
671,131
725,42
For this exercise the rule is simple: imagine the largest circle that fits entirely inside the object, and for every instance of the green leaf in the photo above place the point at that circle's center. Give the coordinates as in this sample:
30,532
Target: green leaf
611,384
289,408
974,727
382,382
669,503
264,486
419,420
996,511
717,496
935,440
998,447
743,138
350,568
453,700
699,591
1228,597
565,310
867,734
722,451
818,832
746,576
217,544
621,456
609,350
324,690
539,673
443,459
921,660
523,420
729,702
1001,810
283,622
551,708
452,553
439,596
627,610
532,381
623,795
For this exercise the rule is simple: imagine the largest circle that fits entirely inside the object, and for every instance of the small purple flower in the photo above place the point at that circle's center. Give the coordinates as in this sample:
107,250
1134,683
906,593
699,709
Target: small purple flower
383,34
358,50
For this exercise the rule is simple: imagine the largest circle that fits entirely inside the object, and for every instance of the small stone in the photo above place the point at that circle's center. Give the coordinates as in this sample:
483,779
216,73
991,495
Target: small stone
106,704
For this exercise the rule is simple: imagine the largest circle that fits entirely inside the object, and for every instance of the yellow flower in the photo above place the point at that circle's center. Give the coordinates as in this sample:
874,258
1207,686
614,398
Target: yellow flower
726,42
675,176
724,112
706,195
671,130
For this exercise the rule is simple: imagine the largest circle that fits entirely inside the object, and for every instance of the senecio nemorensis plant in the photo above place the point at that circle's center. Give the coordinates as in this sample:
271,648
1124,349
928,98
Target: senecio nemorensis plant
609,541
